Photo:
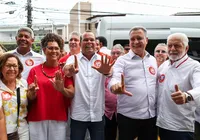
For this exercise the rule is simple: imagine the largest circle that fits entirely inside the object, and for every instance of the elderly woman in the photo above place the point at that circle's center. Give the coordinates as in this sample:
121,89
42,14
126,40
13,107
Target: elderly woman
13,92
47,114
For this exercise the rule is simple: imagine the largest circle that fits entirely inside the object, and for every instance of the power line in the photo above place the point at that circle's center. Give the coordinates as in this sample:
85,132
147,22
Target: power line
158,5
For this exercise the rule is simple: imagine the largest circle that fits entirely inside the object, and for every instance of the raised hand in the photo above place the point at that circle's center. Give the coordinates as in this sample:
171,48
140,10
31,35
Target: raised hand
105,65
72,69
119,88
178,96
32,89
58,82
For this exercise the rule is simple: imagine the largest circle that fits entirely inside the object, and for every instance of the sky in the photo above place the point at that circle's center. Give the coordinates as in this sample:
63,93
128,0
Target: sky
57,12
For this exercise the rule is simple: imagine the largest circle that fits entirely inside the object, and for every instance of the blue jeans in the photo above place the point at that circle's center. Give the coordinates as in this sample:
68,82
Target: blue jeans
78,130
175,135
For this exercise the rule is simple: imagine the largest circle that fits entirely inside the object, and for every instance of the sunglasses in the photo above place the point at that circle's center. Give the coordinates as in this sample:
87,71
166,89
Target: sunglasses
161,51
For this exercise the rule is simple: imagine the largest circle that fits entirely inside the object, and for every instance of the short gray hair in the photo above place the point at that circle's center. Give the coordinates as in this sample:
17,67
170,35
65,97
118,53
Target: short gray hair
27,29
118,46
161,44
76,34
183,37
135,28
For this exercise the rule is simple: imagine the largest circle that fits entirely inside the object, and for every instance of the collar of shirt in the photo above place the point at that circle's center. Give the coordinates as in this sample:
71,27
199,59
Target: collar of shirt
3,87
176,64
30,53
133,55
81,56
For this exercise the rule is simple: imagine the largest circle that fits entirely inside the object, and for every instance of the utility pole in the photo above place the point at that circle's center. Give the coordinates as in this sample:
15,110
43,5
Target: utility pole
29,14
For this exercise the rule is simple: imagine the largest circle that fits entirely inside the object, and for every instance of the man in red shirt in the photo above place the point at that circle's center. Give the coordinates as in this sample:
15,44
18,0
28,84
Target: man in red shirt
74,46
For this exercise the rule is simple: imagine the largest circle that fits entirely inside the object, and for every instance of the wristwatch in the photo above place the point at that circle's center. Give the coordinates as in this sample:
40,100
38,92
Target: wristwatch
188,97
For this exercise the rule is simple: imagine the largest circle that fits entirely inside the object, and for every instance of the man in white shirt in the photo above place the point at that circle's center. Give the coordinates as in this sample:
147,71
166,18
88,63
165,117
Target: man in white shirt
103,45
178,91
88,71
136,114
29,58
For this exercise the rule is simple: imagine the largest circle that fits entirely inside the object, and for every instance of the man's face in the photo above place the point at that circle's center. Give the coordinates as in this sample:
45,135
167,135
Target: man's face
24,39
160,53
88,44
138,42
74,44
176,49
97,48
115,53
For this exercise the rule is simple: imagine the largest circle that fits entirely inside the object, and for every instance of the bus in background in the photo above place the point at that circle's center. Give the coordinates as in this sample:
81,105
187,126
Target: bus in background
116,30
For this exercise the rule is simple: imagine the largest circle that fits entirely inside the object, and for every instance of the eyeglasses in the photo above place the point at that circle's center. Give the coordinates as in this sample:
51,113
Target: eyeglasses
161,51
9,66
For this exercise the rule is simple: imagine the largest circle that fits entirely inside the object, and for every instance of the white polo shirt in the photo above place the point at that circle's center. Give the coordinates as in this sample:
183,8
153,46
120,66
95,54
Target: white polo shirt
140,79
29,60
89,99
185,73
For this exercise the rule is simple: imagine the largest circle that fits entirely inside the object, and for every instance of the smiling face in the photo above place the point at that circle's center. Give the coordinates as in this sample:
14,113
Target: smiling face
74,44
10,70
88,44
138,42
24,40
176,48
160,53
52,51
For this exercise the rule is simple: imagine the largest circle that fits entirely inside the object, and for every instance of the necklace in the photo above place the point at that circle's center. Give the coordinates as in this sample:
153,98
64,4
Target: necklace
45,74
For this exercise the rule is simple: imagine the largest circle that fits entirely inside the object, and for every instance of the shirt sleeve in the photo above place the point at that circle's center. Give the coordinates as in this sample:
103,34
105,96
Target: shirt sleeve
31,76
195,82
69,81
117,71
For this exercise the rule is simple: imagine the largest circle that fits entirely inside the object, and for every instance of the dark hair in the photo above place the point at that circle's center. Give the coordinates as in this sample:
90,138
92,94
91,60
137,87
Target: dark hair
3,60
102,40
51,37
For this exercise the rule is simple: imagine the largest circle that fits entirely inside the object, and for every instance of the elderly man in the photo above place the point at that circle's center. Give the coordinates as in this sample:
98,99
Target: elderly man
29,58
178,88
160,53
136,114
89,71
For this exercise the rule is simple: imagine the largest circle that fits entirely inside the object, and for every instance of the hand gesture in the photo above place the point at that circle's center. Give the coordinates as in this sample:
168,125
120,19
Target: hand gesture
58,82
105,66
178,96
119,88
72,69
32,89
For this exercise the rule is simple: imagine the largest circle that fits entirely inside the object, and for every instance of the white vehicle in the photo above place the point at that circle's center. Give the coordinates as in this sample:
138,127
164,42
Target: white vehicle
116,30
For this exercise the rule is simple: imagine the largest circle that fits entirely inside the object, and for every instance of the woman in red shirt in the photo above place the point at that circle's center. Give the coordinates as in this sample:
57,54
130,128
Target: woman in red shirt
47,114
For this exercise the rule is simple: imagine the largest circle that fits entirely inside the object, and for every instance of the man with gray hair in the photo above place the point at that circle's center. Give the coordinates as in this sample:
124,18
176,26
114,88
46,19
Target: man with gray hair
29,58
135,73
178,91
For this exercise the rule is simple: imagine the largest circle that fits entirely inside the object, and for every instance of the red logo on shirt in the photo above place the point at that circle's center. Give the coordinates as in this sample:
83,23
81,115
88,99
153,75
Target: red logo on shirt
6,96
152,70
161,78
97,63
29,62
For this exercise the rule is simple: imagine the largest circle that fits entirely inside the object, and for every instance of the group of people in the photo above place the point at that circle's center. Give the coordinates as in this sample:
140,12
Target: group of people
104,90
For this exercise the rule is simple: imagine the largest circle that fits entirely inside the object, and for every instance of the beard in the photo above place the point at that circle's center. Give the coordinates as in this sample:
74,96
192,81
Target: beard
176,57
